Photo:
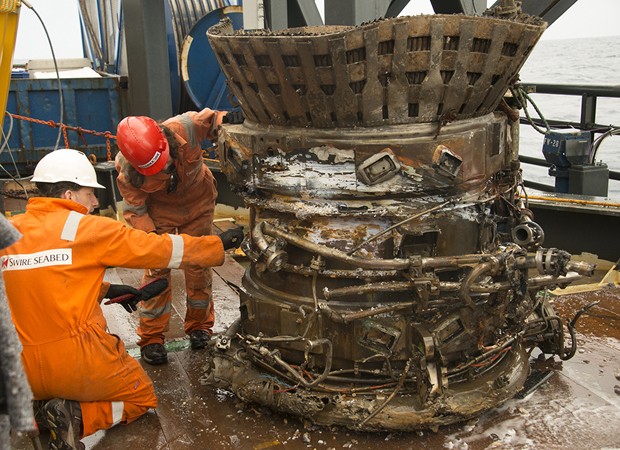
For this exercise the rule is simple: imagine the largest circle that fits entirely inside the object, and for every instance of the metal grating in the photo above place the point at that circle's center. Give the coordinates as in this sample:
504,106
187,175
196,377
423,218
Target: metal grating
391,71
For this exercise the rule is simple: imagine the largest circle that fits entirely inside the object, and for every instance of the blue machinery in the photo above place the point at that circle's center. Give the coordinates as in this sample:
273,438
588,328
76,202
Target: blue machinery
98,103
568,151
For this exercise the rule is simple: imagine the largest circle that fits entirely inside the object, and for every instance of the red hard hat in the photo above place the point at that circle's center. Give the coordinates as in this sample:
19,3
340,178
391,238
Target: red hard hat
143,143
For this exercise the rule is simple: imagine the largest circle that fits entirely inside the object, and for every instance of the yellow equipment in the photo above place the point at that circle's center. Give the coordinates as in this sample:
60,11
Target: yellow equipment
9,18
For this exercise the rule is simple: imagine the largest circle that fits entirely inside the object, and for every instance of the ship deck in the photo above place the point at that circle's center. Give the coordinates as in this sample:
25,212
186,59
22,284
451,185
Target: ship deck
577,407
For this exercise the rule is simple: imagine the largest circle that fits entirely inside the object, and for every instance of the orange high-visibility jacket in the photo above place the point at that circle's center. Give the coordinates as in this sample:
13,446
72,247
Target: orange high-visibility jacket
53,278
151,205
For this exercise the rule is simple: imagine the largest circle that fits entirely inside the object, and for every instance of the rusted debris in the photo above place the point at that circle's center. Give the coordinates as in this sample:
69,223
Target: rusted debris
396,277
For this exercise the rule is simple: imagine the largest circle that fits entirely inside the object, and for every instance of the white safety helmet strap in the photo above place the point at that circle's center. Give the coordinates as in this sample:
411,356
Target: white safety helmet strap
66,165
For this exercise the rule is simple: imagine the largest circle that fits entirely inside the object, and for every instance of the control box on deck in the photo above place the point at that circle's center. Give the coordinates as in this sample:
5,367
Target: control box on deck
569,153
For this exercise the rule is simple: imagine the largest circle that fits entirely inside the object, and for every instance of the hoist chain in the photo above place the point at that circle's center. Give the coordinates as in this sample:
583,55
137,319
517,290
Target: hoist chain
79,130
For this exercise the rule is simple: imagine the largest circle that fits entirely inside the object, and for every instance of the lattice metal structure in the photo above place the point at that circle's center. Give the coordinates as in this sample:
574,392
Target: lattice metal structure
403,70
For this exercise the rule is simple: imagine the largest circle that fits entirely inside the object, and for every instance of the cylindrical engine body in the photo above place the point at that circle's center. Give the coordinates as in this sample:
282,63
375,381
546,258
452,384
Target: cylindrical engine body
380,167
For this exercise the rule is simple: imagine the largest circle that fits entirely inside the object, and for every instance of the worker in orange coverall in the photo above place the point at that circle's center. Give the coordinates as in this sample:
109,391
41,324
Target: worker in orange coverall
54,277
167,188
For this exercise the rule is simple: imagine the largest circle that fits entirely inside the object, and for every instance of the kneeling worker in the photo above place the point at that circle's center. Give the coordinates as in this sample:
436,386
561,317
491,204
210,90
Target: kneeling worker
53,278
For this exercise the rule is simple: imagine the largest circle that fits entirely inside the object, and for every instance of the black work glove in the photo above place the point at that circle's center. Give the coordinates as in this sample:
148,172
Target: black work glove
116,290
232,238
154,288
131,304
119,291
129,297
234,117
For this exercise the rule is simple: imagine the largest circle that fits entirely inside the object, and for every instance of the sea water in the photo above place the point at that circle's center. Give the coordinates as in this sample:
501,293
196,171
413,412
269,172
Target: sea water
584,61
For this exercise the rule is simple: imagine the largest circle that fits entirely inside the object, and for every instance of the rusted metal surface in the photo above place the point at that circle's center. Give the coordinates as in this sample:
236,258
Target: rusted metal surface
365,163
387,72
396,279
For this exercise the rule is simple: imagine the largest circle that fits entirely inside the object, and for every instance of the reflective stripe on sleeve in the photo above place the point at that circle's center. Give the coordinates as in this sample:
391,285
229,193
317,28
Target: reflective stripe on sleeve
117,412
138,210
188,126
178,247
71,226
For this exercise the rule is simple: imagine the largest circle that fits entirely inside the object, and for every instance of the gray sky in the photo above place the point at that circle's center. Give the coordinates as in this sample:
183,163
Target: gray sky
586,18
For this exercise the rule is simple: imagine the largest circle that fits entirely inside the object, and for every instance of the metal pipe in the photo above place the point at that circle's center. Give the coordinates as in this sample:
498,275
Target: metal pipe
533,283
572,89
293,372
258,238
551,261
397,263
342,273
373,263
573,200
486,354
581,267
396,225
398,387
337,317
490,267
528,233
321,250
371,288
445,262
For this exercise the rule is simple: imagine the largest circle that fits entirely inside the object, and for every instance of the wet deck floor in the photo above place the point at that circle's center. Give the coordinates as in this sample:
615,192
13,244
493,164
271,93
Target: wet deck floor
578,407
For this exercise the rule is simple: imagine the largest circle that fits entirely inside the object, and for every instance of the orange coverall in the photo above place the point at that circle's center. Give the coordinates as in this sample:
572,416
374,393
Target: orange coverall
188,210
53,278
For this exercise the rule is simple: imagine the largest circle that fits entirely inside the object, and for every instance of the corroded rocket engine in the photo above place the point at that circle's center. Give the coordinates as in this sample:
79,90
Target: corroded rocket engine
396,278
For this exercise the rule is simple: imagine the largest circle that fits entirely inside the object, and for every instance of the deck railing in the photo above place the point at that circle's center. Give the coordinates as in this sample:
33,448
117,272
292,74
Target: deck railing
589,95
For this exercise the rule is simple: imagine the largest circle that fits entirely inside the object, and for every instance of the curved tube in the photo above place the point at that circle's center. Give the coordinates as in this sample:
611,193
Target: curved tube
486,267
528,233
337,317
270,230
398,387
275,258
309,345
259,238
396,225
374,263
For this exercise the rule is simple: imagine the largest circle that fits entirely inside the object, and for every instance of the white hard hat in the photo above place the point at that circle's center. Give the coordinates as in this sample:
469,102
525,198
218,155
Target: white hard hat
66,165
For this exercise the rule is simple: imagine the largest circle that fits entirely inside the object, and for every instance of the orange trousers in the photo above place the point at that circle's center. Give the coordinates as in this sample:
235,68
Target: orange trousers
91,364
200,315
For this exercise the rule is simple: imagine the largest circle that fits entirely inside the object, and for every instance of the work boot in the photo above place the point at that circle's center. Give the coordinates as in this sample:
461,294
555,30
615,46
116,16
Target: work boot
64,419
198,339
39,415
154,354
